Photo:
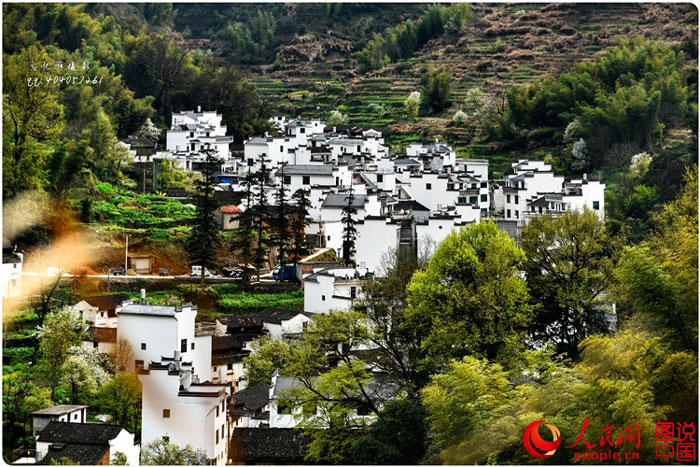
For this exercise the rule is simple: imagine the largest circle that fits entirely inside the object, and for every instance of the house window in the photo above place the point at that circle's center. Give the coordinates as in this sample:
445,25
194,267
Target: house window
353,292
483,184
217,436
508,213
166,413
516,199
306,180
428,186
484,198
596,205
191,134
516,213
281,148
323,298
287,179
302,130
183,345
192,346
329,238
192,147
250,162
143,346
380,178
217,410
230,366
473,199
473,185
507,198
461,200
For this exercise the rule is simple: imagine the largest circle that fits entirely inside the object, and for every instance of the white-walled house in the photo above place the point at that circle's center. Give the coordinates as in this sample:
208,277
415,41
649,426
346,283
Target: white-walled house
174,405
191,131
250,407
58,413
332,289
438,156
85,443
175,332
314,176
11,273
101,310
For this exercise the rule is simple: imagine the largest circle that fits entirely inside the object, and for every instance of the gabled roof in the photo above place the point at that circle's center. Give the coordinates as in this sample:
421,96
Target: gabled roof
409,205
339,200
100,334
106,302
225,343
230,209
406,161
267,315
59,410
80,454
306,169
253,398
269,445
79,433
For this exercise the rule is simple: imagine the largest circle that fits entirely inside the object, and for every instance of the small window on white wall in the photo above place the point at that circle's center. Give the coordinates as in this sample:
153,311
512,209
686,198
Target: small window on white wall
323,298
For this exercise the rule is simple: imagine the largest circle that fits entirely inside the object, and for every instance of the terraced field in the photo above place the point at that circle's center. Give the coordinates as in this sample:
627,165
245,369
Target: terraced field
505,45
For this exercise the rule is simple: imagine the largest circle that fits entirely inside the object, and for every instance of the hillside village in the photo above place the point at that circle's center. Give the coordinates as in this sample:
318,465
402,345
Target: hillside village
195,388
349,234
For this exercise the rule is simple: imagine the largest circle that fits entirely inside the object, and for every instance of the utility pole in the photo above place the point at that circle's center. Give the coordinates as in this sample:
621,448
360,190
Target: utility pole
126,254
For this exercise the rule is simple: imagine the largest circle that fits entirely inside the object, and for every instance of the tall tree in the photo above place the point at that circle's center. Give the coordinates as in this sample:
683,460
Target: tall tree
470,300
300,219
261,211
244,236
569,266
279,222
32,119
204,238
436,86
349,229
61,330
121,398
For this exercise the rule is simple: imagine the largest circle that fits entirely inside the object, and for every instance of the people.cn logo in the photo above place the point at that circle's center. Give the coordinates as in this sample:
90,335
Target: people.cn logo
532,440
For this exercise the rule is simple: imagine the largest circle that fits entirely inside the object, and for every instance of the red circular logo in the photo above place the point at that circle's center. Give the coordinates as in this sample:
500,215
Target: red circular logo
532,440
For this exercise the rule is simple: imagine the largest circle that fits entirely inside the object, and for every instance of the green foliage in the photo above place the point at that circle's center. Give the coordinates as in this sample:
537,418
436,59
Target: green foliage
121,398
238,303
82,374
20,397
32,120
470,300
402,41
569,266
349,230
622,102
435,91
397,437
119,459
161,452
336,117
267,356
61,330
412,105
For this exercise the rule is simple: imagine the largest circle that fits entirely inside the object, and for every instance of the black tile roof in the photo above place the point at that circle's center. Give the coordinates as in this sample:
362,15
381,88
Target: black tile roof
100,334
268,315
80,433
107,302
80,454
225,343
252,398
269,445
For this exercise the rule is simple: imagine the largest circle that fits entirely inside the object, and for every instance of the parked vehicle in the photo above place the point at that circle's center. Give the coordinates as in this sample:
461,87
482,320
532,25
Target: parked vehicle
287,274
118,271
232,272
196,271
164,272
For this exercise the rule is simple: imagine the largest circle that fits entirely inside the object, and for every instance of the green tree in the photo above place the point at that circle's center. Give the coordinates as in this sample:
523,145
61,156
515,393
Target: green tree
397,437
20,397
244,236
300,219
470,300
267,356
61,330
121,398
569,269
119,459
260,210
436,86
279,223
336,117
411,105
32,120
204,240
82,374
162,452
349,230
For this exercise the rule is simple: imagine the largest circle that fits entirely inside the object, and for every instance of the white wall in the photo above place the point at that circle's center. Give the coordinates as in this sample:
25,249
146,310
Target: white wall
124,443
140,329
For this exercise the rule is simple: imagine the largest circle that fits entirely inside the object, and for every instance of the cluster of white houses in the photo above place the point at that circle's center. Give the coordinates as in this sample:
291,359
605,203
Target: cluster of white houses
194,384
402,199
